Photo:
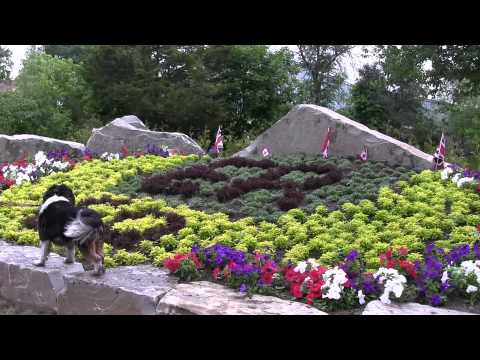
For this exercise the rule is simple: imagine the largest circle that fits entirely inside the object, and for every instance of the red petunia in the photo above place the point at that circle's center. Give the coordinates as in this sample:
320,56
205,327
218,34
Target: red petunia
478,225
296,291
231,265
348,284
403,251
389,253
216,273
196,261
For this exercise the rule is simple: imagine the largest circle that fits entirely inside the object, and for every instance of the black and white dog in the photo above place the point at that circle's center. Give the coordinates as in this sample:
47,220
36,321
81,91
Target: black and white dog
62,223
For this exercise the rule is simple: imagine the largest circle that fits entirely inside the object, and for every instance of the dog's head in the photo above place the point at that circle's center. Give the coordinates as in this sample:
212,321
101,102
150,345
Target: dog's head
60,190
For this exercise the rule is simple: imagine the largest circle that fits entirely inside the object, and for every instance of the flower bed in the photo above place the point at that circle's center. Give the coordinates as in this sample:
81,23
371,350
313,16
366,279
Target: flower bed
265,189
412,212
439,277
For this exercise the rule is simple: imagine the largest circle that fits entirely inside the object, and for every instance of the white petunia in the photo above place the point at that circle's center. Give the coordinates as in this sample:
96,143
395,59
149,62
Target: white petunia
301,267
361,297
456,177
444,277
471,289
465,180
445,173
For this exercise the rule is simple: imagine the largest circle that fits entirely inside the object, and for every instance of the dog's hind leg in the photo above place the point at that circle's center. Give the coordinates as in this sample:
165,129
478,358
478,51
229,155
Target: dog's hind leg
45,250
70,259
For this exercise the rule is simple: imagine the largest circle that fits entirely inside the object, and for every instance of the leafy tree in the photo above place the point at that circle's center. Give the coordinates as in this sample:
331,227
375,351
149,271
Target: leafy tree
324,75
193,89
76,53
5,63
61,97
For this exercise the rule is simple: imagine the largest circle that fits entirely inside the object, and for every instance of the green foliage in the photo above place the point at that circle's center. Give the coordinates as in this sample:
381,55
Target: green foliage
5,63
51,99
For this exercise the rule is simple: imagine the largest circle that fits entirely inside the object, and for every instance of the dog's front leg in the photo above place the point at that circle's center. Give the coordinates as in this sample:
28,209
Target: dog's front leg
70,259
45,250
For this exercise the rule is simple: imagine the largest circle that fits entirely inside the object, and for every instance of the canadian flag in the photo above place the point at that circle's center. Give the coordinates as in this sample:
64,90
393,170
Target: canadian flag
219,141
364,154
326,144
265,152
439,156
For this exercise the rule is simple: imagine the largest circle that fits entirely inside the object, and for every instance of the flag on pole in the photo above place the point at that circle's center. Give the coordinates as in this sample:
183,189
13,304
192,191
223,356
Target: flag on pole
364,154
326,144
439,156
265,152
219,141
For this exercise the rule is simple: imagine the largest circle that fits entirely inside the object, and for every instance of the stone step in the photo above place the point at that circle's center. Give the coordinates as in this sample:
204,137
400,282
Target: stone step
125,290
206,298
29,286
376,307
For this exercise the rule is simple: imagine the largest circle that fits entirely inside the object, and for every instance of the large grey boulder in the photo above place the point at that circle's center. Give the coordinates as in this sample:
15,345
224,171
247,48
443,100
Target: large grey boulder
206,298
303,129
132,132
15,147
376,307
28,286
125,290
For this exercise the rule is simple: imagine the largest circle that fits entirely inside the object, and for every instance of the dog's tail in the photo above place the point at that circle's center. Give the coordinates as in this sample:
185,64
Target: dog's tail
86,227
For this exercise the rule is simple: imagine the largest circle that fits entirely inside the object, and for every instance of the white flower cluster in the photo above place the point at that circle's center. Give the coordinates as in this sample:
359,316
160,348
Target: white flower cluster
392,282
110,156
303,266
334,280
471,267
42,166
457,179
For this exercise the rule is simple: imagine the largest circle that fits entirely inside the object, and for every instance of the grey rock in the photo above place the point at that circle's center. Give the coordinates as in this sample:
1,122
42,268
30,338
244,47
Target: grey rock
303,130
206,298
15,147
376,307
126,290
131,131
29,286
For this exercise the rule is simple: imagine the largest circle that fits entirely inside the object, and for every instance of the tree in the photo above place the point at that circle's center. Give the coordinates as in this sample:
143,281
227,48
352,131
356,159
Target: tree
61,96
193,89
5,63
322,65
76,53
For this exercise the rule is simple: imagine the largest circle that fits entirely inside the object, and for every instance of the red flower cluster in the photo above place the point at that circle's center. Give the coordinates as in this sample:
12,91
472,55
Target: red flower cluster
306,285
397,261
267,271
172,264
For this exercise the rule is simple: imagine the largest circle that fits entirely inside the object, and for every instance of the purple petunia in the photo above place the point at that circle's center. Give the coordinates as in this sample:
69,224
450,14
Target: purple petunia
243,288
352,255
436,300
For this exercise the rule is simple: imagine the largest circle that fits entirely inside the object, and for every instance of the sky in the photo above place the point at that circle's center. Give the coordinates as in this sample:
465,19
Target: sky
351,65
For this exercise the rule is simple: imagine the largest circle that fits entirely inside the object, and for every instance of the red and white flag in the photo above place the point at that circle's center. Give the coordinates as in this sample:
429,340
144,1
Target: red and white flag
265,152
364,154
326,144
219,141
439,156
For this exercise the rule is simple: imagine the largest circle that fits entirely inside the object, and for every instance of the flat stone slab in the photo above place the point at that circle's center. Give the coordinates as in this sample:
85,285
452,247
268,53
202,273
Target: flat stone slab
376,307
206,298
125,290
27,285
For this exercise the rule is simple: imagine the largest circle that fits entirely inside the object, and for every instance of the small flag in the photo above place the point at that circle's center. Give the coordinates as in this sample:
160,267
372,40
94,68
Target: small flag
364,154
219,141
326,144
439,156
265,152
